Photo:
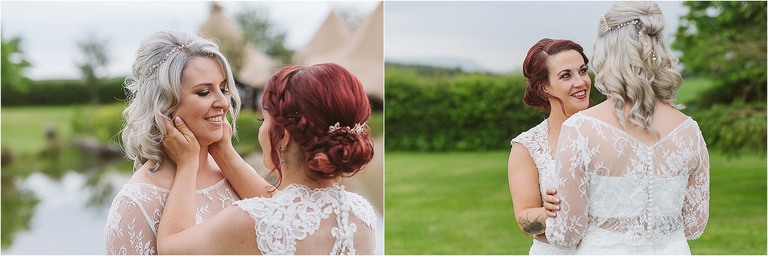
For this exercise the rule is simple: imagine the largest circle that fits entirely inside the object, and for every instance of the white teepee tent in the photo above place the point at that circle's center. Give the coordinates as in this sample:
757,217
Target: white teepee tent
362,53
250,66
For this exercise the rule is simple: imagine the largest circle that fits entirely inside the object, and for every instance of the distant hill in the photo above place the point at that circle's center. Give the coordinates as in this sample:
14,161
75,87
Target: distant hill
430,70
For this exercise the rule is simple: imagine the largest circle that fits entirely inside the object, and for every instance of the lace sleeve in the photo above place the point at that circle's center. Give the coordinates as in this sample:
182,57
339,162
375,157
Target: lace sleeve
696,204
127,230
573,154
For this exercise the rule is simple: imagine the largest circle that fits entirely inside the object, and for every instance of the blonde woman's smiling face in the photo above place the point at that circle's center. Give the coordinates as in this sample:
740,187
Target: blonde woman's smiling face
205,99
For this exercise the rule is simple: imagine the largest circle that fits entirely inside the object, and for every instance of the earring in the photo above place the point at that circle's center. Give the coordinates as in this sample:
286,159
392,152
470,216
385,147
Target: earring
282,156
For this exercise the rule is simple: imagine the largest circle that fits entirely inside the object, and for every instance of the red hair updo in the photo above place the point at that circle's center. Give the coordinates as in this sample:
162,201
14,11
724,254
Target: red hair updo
535,69
306,101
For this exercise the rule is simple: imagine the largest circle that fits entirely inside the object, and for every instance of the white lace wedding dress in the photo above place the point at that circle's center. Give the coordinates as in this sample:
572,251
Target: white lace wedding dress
620,196
299,220
536,140
135,214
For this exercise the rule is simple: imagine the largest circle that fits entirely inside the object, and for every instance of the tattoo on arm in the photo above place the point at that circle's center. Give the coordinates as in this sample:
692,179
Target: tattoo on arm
533,227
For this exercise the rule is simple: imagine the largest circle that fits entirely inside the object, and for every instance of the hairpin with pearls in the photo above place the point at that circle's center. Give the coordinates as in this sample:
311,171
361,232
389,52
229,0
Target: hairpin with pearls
640,30
178,48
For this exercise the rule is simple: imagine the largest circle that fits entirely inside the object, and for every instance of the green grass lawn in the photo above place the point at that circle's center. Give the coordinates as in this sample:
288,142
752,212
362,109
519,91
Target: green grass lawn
737,213
23,127
459,203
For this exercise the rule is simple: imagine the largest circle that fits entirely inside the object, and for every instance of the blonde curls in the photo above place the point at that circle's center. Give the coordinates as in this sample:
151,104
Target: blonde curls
633,64
154,87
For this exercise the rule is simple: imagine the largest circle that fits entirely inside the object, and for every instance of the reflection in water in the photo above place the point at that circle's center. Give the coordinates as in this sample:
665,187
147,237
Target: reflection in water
63,222
18,206
59,196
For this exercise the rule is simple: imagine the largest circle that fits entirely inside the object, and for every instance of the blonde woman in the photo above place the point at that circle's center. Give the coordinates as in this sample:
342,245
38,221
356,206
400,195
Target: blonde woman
175,74
633,170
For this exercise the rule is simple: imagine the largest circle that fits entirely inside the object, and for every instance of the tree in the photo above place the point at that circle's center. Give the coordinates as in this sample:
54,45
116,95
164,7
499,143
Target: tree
94,61
13,63
258,29
725,41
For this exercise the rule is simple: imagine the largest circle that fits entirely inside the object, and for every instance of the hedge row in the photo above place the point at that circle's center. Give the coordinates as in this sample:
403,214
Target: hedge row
62,92
465,112
454,113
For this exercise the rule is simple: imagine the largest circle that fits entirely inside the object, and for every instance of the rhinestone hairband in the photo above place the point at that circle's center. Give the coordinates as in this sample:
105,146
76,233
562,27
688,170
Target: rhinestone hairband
637,23
357,129
178,48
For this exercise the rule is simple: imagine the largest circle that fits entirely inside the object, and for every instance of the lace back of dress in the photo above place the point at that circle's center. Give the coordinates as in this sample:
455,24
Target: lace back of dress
350,231
344,232
618,190
298,220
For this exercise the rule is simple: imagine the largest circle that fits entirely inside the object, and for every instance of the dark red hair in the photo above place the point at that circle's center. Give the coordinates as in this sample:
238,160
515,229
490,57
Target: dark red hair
306,101
535,69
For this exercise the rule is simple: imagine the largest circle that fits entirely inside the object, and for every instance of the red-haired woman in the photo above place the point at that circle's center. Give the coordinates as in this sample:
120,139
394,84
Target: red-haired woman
559,84
313,133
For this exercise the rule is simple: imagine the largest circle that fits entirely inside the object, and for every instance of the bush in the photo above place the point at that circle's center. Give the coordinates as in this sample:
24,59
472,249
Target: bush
733,129
103,122
247,132
454,113
62,92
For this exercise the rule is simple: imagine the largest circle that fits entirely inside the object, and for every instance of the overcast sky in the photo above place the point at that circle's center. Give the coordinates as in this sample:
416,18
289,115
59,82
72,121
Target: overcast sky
50,30
493,36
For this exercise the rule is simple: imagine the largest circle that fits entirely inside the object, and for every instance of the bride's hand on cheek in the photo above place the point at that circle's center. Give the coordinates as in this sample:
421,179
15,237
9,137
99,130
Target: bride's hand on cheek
226,139
180,144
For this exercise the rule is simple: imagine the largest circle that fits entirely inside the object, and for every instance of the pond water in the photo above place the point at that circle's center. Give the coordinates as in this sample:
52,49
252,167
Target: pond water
64,222
70,210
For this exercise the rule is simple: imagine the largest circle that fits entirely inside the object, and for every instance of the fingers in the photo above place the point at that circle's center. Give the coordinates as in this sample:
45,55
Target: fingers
551,209
171,135
178,127
551,203
226,121
552,200
180,124
551,191
183,129
551,214
169,127
227,128
179,143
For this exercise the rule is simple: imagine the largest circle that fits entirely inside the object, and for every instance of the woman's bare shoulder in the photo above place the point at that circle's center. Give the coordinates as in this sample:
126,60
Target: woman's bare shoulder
160,178
602,111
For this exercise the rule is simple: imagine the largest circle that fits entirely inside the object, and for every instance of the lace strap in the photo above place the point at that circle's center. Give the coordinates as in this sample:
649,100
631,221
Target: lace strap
362,208
535,140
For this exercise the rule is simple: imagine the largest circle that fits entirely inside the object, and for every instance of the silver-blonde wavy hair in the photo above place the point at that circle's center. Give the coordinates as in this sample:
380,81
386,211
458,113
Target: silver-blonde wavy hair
633,64
154,87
